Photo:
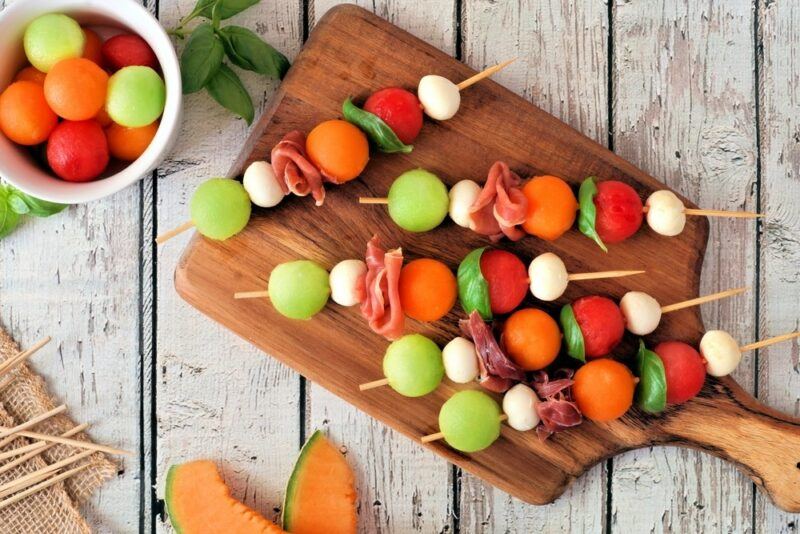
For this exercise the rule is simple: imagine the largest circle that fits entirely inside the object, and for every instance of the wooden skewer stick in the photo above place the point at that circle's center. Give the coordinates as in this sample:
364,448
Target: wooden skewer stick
374,384
29,479
768,342
601,274
17,359
373,200
31,447
42,485
717,213
71,442
439,435
485,74
702,300
28,424
38,448
166,236
251,294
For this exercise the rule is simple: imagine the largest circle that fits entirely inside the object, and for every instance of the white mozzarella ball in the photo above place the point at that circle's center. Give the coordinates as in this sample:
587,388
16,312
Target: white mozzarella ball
666,214
439,96
462,197
721,352
548,277
642,312
262,185
519,404
460,360
344,280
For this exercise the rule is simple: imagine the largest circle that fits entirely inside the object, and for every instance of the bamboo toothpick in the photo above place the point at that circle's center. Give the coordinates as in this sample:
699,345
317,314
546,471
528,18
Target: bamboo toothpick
373,200
38,448
769,341
10,432
251,294
717,213
485,74
17,359
166,236
374,384
702,300
31,447
72,442
42,485
601,274
440,435
31,478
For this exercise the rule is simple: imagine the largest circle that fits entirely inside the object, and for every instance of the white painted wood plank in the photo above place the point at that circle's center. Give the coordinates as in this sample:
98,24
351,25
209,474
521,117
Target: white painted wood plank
779,370
684,110
562,68
402,487
218,397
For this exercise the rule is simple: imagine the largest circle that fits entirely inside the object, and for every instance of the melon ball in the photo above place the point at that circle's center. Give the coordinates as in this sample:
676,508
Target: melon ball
470,421
418,201
136,96
298,289
220,208
413,365
51,38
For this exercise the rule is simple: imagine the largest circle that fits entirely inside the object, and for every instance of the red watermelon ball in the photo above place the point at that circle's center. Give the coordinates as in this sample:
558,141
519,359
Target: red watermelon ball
128,50
399,109
601,322
77,151
507,279
684,370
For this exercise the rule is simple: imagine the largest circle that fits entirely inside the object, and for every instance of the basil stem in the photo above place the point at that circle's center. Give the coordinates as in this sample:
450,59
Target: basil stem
378,131
588,211
651,393
573,337
473,291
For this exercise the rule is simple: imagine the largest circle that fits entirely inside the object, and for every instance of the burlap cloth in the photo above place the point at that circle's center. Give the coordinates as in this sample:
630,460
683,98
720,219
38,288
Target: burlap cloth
53,510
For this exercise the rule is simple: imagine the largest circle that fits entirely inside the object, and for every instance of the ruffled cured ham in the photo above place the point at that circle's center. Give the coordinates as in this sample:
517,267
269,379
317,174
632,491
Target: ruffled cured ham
381,305
497,372
294,171
557,410
501,206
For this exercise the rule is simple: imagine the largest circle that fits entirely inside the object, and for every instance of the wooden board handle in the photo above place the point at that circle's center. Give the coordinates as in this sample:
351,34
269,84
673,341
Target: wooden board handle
762,442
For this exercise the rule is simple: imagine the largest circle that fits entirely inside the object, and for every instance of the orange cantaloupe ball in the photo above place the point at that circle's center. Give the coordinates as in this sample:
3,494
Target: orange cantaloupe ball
338,149
552,207
532,338
428,289
128,144
604,389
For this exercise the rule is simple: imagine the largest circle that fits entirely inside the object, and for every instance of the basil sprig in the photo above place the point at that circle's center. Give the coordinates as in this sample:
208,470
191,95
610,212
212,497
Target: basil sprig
651,393
378,131
573,337
473,290
14,204
202,59
588,211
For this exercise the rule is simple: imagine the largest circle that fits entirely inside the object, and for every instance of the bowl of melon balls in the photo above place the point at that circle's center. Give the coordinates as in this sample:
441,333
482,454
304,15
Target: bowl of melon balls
90,97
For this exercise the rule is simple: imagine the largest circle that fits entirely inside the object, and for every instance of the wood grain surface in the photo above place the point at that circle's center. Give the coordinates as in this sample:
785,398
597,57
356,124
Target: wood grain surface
493,124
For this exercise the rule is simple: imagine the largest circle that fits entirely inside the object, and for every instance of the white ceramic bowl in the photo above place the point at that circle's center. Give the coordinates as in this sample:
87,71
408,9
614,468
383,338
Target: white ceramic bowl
16,163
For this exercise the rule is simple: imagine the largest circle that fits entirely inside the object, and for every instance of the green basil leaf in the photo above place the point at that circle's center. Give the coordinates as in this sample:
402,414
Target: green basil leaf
226,8
473,290
378,131
651,393
250,52
201,59
588,211
23,203
573,337
9,219
227,89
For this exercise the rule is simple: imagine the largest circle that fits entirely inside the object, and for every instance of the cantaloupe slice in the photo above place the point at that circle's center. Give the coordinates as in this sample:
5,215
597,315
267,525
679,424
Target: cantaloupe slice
321,496
199,502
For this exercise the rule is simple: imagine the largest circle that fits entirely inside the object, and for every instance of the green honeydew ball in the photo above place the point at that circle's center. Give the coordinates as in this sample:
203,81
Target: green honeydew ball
299,289
470,421
220,208
413,365
136,96
418,201
51,38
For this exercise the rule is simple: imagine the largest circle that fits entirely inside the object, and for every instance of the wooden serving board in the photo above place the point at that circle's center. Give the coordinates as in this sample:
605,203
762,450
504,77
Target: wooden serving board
352,53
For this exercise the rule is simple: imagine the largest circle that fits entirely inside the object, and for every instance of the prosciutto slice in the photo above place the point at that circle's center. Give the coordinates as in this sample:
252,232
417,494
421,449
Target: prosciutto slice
501,206
497,372
295,173
557,411
381,305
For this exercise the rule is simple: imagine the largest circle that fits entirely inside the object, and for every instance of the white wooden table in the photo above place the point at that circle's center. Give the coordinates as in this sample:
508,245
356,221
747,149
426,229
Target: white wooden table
703,94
